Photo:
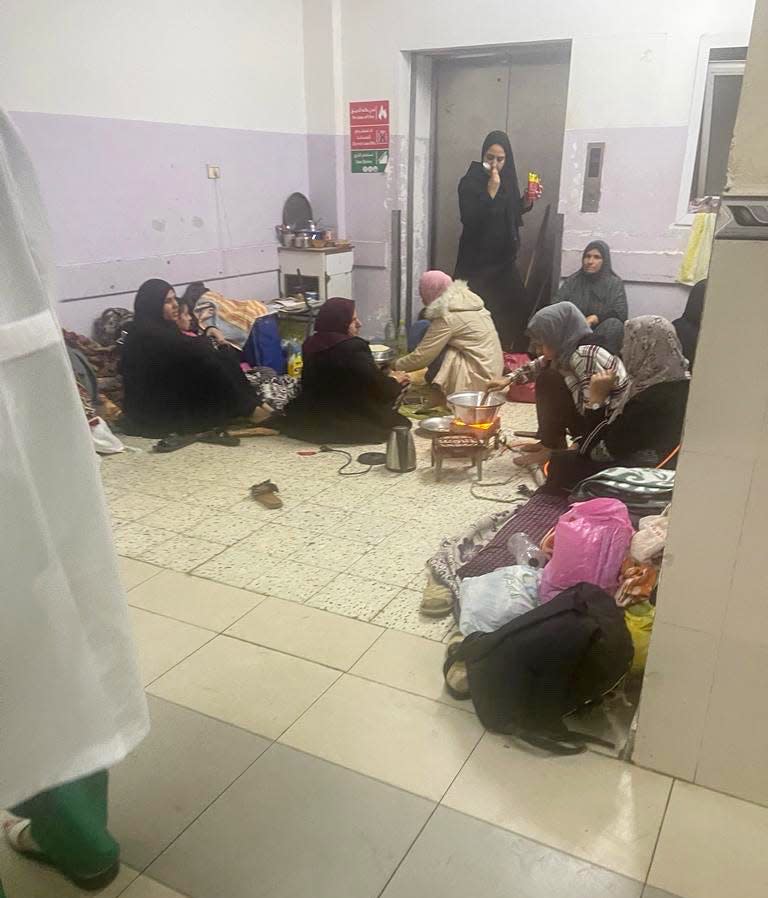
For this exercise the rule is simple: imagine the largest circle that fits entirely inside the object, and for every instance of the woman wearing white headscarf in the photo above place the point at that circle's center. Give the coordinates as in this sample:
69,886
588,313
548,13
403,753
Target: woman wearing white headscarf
569,356
72,703
646,428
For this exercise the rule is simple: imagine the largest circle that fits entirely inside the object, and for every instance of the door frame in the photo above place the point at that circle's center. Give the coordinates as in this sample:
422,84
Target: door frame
418,198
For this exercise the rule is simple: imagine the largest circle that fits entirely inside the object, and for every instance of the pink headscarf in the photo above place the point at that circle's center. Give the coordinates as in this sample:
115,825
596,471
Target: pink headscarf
432,285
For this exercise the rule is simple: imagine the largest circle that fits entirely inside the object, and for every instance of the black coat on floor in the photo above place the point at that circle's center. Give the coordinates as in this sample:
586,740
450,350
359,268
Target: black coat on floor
345,398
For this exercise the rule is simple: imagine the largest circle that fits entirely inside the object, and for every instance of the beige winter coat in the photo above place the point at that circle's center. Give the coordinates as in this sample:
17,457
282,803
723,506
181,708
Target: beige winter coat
459,323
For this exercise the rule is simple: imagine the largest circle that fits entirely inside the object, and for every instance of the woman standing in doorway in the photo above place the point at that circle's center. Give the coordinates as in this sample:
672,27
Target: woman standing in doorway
492,212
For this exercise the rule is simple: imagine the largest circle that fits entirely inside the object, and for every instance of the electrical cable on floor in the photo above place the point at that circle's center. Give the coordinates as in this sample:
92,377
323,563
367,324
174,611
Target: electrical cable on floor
506,501
346,464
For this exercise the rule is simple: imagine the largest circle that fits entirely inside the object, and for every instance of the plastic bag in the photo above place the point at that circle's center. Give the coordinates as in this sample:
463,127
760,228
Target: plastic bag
262,348
639,620
591,541
104,441
651,537
523,551
490,601
519,392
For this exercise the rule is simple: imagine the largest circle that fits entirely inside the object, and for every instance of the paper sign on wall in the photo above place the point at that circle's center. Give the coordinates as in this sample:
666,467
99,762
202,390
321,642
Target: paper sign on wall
369,136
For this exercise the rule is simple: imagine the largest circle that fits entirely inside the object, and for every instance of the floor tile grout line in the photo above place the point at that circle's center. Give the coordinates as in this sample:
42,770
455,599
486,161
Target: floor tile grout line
210,804
181,660
658,834
438,804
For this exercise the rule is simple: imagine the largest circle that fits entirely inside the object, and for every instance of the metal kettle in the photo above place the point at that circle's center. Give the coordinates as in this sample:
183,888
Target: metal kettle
401,451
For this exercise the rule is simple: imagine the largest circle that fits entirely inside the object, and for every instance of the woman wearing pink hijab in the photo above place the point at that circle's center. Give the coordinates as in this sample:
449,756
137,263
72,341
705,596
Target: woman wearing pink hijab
455,340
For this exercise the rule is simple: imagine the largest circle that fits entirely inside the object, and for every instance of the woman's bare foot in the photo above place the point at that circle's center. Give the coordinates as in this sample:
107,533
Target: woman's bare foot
527,446
261,413
533,459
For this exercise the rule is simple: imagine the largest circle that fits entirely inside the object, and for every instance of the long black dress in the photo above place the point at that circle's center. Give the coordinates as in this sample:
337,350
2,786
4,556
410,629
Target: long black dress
179,384
488,248
649,428
345,398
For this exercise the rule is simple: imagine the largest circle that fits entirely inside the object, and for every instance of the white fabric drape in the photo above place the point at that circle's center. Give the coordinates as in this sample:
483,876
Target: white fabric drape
71,700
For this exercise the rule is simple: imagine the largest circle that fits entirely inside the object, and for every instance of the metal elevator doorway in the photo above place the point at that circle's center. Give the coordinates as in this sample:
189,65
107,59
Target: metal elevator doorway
522,90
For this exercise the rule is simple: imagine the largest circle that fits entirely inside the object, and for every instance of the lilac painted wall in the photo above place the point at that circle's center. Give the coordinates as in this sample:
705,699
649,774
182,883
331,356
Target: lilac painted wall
641,178
129,200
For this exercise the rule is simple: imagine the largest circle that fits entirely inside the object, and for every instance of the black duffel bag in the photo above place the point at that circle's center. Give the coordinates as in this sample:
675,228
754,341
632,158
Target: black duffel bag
560,657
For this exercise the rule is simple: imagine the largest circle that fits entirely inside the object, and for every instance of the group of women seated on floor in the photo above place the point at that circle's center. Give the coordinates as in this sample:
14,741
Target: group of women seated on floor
175,379
625,411
617,405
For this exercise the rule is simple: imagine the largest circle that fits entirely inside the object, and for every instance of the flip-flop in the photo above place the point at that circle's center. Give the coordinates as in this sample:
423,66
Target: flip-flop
174,441
265,493
15,828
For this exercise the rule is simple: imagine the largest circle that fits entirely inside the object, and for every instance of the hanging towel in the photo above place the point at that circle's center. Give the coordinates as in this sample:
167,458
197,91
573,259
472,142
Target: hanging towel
695,265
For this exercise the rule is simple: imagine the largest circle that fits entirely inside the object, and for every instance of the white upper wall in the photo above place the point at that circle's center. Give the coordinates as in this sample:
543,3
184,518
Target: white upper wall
633,64
228,63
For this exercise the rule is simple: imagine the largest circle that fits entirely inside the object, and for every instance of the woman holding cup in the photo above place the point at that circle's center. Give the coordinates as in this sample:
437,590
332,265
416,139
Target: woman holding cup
492,210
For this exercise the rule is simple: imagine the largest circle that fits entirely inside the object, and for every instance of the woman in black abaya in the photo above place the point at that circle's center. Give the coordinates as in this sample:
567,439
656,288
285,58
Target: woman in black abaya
492,212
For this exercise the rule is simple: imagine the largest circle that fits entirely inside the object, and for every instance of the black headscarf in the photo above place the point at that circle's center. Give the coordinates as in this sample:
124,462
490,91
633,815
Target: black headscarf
508,176
688,326
331,325
148,306
193,292
605,251
694,308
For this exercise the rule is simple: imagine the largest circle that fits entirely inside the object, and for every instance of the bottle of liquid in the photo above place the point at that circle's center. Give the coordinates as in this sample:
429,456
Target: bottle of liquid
402,339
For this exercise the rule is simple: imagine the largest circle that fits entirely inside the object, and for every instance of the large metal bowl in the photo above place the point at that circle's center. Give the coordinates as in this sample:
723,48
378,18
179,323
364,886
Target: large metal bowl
470,408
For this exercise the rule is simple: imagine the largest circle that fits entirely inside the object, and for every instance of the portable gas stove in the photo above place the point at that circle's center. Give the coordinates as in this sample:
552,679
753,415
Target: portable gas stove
484,433
465,441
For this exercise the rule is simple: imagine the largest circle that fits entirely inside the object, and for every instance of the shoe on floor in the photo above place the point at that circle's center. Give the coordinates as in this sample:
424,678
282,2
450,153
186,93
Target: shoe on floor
437,600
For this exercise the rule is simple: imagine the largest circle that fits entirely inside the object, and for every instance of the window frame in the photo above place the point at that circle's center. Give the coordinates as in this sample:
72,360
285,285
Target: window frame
715,69
707,43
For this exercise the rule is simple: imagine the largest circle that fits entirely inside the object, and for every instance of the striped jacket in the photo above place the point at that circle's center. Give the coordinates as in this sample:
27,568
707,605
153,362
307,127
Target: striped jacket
586,360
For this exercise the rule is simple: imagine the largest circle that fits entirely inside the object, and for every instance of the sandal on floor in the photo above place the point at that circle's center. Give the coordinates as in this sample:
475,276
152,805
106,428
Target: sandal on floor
266,494
455,674
174,441
14,829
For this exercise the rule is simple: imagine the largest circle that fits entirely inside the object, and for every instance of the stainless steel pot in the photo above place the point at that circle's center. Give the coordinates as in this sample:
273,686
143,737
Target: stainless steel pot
470,408
383,356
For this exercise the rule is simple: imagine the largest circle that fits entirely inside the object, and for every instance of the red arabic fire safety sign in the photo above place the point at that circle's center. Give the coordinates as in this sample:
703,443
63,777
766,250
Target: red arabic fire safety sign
369,135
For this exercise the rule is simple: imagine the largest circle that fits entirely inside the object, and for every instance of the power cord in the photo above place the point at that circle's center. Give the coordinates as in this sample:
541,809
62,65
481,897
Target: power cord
346,464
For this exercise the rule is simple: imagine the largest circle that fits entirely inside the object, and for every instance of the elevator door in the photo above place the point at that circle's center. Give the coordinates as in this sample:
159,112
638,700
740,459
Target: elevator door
523,92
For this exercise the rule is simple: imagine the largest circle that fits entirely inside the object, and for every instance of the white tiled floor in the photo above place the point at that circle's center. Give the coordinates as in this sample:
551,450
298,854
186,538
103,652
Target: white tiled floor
287,661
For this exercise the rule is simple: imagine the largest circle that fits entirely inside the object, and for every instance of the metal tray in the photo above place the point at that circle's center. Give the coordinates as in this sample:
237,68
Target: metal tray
440,424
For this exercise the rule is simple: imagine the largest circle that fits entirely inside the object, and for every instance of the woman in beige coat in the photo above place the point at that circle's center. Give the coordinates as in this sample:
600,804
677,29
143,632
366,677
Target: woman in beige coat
456,341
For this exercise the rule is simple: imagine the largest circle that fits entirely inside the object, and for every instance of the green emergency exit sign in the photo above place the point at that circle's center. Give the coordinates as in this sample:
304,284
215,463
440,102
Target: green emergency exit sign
366,162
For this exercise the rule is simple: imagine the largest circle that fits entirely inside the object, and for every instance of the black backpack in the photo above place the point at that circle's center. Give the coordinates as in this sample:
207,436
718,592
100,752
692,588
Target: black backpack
565,654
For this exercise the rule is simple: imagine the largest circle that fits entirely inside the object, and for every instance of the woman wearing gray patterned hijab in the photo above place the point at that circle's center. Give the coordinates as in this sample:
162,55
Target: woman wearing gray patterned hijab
645,429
